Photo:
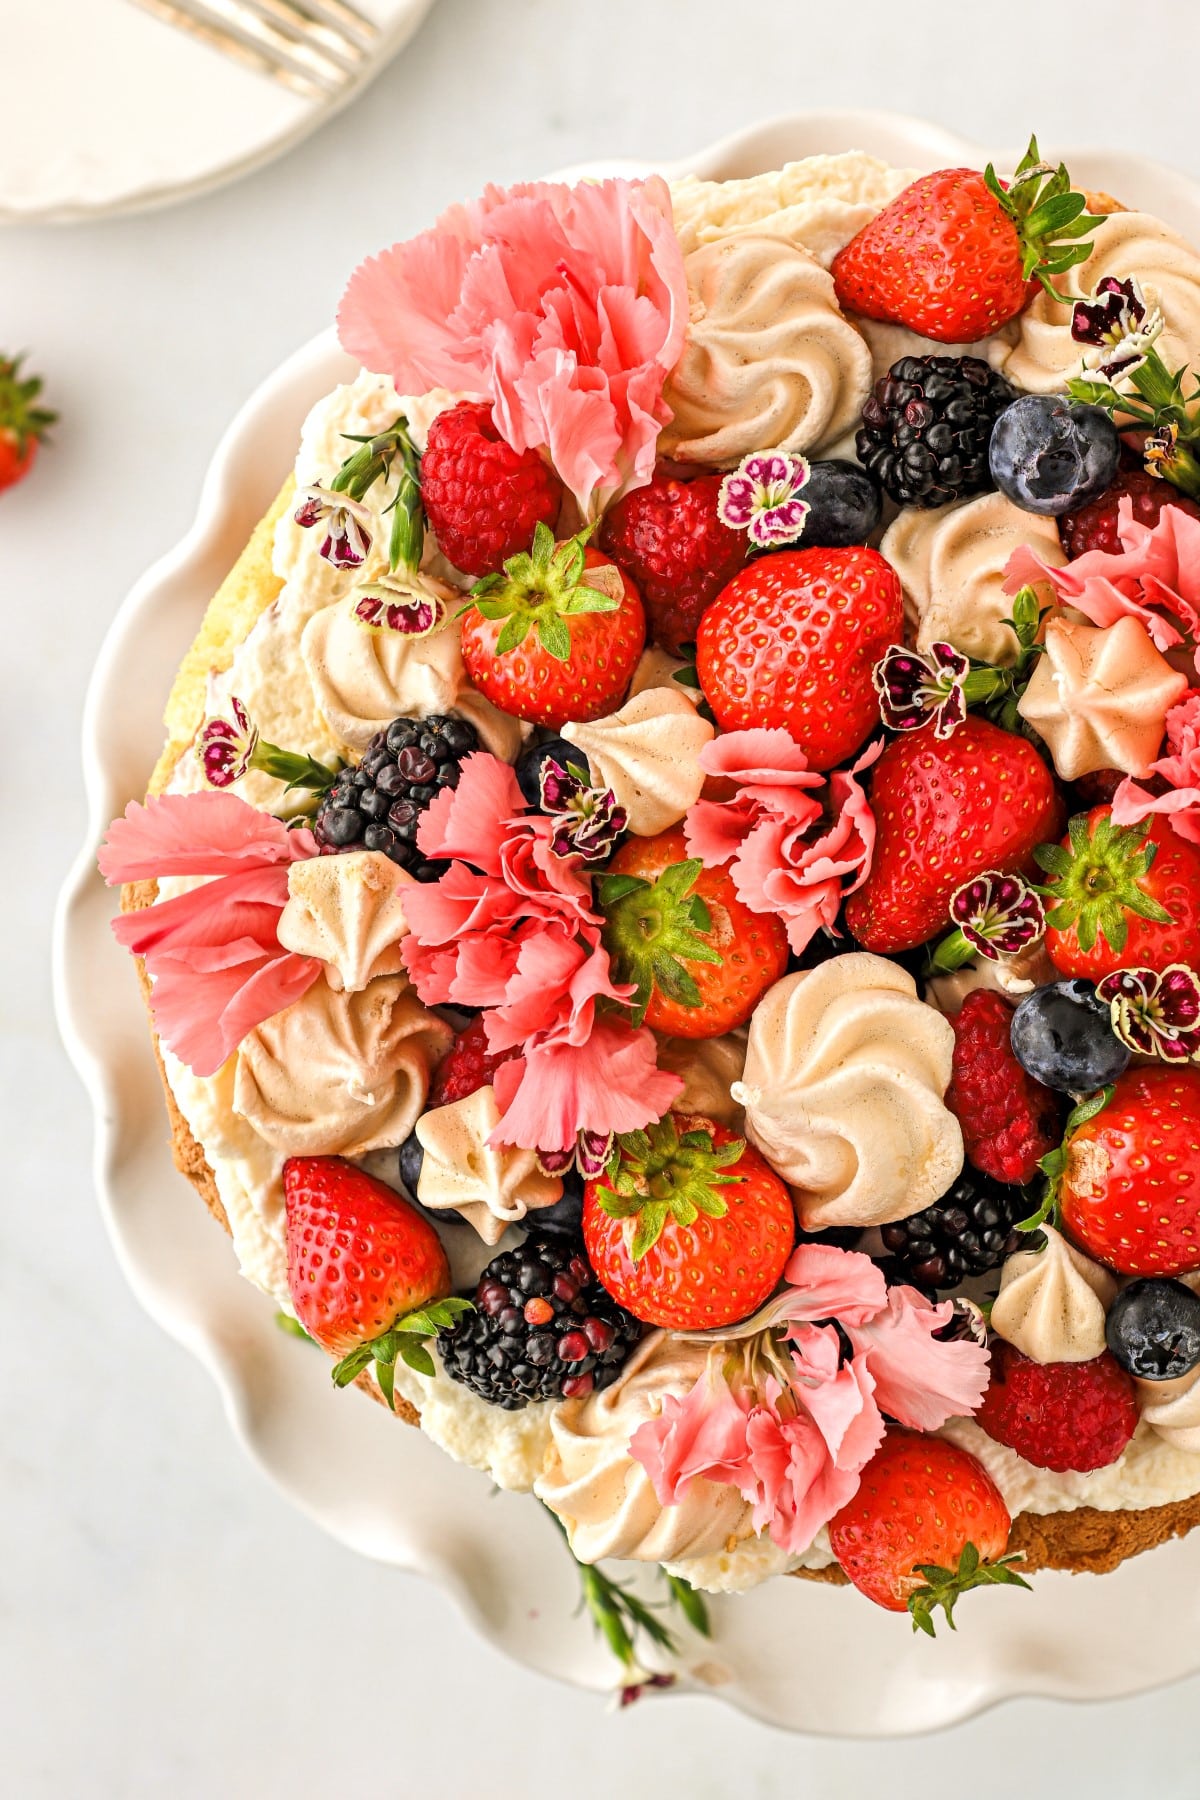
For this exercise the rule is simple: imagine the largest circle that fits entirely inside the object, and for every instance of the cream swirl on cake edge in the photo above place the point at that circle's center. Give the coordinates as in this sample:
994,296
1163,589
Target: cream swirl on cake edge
338,1074
648,754
769,358
818,202
846,1070
1053,1302
1171,1410
951,562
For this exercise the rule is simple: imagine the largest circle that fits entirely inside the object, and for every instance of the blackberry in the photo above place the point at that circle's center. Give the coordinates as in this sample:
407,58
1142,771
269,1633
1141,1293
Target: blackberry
927,426
543,1328
969,1231
378,804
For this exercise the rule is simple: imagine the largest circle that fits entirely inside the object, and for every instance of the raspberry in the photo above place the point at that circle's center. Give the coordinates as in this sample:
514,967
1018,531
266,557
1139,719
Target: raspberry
1009,1121
466,1066
483,498
669,541
1094,527
1059,1415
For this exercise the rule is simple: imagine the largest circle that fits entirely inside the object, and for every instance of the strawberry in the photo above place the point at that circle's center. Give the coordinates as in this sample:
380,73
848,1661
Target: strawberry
954,256
23,423
1009,1121
556,638
1062,1416
792,641
945,811
467,1066
700,959
1094,527
688,1227
926,1524
483,498
1121,897
365,1271
671,542
1130,1189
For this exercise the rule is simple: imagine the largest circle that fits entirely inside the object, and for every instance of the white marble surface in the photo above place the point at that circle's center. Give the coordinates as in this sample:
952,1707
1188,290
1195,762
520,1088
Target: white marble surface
167,1624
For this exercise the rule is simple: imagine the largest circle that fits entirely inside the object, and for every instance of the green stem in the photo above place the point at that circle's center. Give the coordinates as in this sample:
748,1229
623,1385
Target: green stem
954,952
297,771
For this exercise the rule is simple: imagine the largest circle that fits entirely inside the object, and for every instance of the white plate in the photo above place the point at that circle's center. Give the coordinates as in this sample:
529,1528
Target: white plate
142,113
384,1489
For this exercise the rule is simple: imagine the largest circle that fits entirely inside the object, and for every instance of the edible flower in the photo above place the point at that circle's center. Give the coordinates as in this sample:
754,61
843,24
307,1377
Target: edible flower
762,498
347,535
797,841
213,954
408,604
564,306
916,690
1155,1012
791,1406
997,915
1120,324
228,748
589,821
1180,769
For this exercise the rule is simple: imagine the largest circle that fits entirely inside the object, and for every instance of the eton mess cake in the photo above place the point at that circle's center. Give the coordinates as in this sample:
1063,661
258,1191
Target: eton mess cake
670,906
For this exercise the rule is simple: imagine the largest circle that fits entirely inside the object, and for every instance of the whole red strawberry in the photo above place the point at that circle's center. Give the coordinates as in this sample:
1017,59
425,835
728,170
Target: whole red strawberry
676,550
556,638
1121,897
792,641
1094,527
1059,1415
1130,1192
688,1227
467,1066
700,958
361,1261
952,256
23,423
1009,1121
482,497
945,811
927,1523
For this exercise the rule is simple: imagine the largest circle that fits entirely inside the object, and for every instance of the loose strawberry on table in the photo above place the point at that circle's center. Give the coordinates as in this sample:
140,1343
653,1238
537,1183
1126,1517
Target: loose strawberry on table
1130,1189
557,636
24,424
927,1523
945,811
688,1228
1121,896
792,641
700,958
366,1273
670,541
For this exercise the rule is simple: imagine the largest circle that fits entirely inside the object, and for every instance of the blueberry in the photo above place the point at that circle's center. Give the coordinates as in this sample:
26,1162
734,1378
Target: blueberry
1153,1329
566,1214
1063,1037
1051,455
845,503
528,767
412,1155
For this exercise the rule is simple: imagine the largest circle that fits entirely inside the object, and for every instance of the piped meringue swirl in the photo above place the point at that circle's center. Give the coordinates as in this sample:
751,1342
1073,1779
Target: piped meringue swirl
1172,1409
1052,1302
491,1189
648,754
349,912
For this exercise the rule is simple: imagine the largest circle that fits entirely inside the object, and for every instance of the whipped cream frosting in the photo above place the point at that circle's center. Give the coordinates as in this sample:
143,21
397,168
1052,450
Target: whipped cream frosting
951,561
491,1189
349,912
1099,697
888,342
818,202
338,1074
843,1085
708,1068
364,679
769,357
648,754
1052,1303
1171,1410
604,1497
1045,355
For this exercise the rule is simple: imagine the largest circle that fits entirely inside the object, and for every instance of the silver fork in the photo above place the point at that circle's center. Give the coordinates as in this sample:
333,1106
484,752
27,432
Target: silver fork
312,46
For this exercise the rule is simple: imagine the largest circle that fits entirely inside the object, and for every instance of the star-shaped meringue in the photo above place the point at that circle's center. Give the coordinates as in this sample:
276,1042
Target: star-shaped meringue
1100,696
491,1189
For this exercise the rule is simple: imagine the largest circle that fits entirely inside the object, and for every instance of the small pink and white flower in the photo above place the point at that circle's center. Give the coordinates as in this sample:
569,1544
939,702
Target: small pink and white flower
762,498
347,525
226,746
916,690
998,914
1155,1013
408,606
1120,324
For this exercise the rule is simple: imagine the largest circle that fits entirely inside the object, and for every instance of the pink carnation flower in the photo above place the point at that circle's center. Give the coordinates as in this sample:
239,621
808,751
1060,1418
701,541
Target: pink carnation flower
213,954
564,306
510,927
784,1417
1180,768
1154,577
797,843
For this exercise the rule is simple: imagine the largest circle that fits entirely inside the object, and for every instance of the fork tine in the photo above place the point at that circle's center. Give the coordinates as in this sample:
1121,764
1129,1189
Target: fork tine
245,19
299,25
227,44
340,13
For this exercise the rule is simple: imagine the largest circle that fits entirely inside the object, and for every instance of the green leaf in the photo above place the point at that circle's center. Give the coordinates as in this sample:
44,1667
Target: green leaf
352,1366
651,1219
690,1603
673,980
554,637
944,1587
385,1375
687,676
414,1353
292,1327
613,888
513,632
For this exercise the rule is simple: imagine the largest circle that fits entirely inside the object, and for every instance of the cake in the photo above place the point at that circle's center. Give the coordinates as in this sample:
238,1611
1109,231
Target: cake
670,904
